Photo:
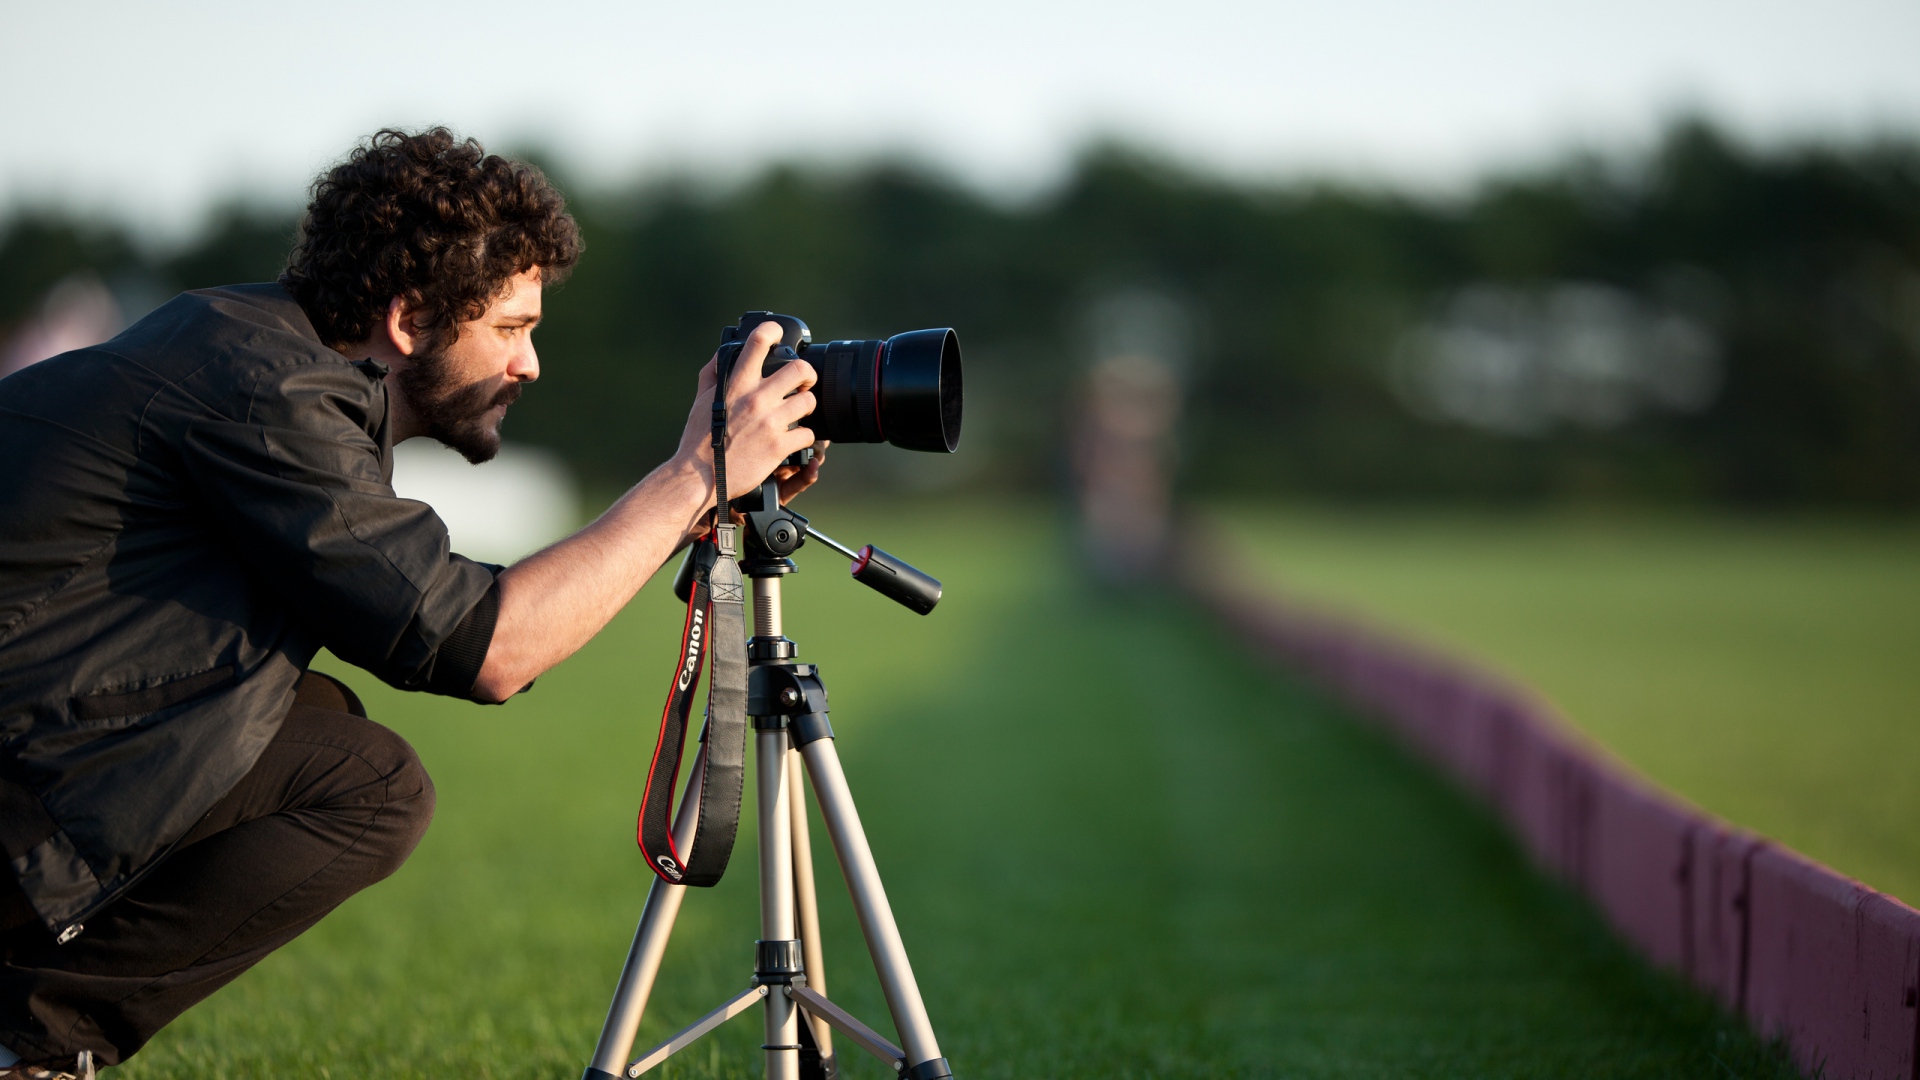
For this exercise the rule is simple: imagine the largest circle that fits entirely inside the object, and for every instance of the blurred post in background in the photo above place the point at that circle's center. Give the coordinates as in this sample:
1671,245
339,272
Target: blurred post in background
1126,445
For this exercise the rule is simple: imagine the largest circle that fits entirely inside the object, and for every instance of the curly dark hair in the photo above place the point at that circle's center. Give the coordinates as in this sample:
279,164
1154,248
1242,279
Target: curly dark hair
429,218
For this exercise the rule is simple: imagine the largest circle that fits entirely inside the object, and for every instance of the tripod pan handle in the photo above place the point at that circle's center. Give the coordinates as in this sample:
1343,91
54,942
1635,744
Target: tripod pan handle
895,580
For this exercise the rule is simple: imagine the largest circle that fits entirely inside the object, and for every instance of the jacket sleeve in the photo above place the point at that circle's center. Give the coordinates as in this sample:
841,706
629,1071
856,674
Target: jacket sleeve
298,486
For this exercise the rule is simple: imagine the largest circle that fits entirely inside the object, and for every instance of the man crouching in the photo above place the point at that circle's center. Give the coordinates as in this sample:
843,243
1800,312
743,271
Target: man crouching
192,510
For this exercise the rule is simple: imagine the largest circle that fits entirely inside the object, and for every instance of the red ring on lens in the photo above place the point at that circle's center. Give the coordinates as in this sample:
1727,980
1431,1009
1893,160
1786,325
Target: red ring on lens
877,428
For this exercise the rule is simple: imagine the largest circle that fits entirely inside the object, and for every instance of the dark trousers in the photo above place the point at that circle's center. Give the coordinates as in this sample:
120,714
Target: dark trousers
335,803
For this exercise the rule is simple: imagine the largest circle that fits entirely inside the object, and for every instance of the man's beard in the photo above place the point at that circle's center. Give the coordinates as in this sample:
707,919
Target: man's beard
453,413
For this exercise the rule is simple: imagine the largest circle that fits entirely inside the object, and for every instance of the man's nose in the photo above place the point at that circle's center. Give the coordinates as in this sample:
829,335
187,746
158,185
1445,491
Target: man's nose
525,366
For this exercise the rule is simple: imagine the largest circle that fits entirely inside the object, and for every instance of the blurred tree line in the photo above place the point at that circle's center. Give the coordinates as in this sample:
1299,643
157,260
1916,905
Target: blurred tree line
1703,322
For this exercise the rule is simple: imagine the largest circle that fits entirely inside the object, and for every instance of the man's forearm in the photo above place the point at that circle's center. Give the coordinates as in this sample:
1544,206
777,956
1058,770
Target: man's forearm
553,601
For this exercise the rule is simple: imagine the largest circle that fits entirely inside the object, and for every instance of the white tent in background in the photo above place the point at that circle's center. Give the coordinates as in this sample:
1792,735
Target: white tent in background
496,512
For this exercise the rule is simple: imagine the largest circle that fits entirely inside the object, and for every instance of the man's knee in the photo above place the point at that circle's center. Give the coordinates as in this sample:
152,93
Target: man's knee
407,807
377,780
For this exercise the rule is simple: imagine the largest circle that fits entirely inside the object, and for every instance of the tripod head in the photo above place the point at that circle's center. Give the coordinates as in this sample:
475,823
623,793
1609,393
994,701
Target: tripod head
773,532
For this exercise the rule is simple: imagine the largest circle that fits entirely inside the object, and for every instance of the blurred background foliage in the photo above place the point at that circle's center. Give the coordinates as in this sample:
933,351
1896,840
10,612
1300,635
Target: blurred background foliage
1704,322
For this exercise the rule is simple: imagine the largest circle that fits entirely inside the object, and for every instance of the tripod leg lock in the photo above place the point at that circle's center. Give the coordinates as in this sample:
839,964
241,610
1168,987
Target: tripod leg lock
789,696
777,962
808,728
930,1069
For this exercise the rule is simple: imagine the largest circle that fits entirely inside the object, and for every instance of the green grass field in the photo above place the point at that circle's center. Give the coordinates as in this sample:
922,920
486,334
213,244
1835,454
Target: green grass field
1117,846
1767,670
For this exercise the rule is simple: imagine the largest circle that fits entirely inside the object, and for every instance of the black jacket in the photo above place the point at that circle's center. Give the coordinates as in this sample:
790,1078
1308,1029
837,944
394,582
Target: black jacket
187,514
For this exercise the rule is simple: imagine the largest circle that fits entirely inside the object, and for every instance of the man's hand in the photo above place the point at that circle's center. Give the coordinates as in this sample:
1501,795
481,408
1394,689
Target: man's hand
795,479
555,600
762,414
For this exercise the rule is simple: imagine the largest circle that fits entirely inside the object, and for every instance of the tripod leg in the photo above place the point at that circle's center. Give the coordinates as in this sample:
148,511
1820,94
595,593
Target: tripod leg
649,946
778,948
807,908
876,917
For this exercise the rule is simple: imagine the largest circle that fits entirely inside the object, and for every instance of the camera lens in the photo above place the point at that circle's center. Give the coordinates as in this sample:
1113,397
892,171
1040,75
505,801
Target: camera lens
905,390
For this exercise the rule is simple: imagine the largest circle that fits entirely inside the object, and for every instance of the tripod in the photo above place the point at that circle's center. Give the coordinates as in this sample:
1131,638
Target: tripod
788,706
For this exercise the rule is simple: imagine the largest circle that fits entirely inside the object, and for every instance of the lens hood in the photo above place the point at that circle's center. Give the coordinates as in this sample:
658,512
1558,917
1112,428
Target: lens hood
920,390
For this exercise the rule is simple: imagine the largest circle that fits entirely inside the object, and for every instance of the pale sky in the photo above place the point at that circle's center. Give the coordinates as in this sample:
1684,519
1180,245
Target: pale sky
156,111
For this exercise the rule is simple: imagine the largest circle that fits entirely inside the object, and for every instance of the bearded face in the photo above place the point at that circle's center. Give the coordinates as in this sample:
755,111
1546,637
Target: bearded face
455,387
457,412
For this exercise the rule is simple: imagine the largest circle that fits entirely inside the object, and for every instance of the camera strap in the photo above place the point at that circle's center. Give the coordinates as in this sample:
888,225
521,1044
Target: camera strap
715,627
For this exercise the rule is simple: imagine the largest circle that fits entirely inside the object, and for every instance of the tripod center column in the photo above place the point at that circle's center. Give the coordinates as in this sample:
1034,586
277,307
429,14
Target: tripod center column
766,608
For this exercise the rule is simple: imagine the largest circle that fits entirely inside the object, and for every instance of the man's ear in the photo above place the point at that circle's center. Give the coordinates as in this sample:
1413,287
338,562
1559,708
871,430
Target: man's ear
402,332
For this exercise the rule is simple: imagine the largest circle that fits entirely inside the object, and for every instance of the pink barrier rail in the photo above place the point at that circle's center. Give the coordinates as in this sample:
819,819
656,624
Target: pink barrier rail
1803,952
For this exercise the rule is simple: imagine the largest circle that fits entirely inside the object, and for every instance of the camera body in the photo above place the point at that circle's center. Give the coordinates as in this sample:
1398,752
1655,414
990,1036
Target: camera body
905,390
